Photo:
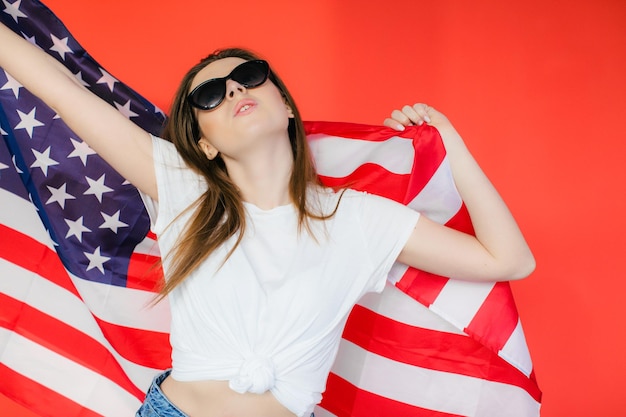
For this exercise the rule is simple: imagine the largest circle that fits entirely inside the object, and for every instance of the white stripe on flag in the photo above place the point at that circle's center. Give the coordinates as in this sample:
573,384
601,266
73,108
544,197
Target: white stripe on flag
396,272
516,351
65,377
459,301
431,389
398,306
338,157
20,214
438,200
124,306
148,246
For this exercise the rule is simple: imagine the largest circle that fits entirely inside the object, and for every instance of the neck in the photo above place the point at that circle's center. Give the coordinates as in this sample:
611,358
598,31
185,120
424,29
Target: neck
263,175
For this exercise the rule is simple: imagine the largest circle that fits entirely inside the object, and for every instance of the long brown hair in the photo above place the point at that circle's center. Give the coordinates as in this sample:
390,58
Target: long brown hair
219,213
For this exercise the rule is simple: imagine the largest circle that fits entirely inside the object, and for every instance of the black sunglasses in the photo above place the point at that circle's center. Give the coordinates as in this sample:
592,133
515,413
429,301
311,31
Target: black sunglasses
210,94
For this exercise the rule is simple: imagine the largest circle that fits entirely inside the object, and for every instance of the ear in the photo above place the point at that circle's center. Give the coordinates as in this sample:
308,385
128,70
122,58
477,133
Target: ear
289,111
209,150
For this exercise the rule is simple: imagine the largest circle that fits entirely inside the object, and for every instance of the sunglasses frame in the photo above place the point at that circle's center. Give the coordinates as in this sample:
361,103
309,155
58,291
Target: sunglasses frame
256,63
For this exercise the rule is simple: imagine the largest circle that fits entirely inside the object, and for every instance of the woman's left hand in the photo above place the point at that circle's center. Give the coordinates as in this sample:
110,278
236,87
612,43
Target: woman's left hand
416,114
421,113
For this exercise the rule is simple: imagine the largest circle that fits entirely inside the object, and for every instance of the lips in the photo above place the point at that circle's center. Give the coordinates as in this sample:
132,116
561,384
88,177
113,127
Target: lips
244,106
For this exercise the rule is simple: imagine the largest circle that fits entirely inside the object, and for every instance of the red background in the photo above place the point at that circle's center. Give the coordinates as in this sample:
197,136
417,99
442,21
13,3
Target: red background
537,88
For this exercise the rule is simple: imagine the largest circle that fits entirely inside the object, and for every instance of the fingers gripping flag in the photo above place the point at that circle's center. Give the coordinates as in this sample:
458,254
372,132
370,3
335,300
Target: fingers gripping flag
76,270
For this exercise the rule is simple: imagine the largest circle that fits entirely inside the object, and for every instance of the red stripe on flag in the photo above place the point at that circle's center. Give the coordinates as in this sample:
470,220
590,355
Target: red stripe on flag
431,349
65,340
39,399
461,221
144,272
497,304
348,400
422,286
424,167
143,347
371,178
28,253
370,133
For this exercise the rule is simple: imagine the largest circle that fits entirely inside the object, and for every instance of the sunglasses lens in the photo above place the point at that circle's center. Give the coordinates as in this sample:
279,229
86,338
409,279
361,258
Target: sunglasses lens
251,74
210,94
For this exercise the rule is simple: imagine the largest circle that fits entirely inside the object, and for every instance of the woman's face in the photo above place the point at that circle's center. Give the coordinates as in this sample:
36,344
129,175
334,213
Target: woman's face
244,119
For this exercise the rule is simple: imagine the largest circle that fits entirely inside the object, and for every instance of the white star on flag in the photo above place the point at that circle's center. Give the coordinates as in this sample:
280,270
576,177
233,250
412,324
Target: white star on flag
96,260
97,187
76,228
59,195
60,46
112,222
28,122
13,9
12,84
79,77
32,40
43,161
81,150
5,166
107,79
125,109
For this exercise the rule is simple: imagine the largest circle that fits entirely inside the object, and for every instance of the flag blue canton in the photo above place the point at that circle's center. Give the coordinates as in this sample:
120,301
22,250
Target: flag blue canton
93,216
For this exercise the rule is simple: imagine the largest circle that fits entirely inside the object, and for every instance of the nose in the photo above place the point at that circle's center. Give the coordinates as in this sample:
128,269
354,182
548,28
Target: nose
233,87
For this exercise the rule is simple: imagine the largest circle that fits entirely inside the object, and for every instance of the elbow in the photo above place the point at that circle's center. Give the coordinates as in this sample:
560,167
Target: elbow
522,268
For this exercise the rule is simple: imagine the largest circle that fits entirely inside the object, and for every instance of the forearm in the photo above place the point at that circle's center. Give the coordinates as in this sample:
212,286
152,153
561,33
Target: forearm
494,225
33,68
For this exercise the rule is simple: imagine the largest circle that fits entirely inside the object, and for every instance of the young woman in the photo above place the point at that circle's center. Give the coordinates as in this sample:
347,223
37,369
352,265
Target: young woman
263,264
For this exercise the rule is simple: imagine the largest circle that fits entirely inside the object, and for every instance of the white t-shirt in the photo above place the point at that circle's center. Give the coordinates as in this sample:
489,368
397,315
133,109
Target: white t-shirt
271,317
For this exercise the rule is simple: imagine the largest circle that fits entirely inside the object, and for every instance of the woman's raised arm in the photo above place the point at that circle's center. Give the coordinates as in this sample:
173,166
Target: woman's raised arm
124,145
499,251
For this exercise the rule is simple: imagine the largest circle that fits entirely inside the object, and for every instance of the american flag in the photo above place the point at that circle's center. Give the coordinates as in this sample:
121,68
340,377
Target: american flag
78,336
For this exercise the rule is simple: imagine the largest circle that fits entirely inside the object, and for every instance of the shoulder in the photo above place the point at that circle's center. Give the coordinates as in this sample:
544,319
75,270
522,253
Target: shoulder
178,185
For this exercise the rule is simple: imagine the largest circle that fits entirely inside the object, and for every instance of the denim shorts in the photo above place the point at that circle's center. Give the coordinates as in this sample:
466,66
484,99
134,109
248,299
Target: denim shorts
156,403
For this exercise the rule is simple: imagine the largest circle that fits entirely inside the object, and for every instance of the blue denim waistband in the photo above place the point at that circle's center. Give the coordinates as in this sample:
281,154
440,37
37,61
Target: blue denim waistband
156,403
